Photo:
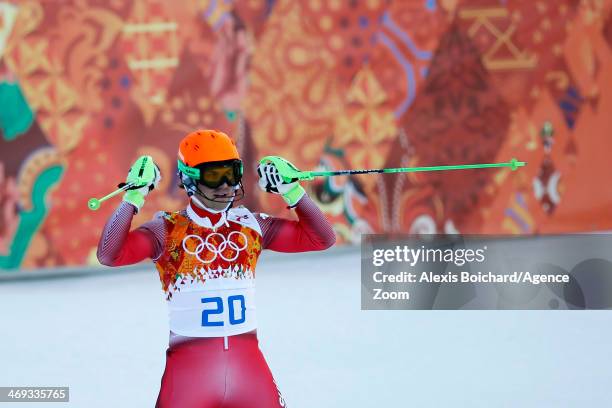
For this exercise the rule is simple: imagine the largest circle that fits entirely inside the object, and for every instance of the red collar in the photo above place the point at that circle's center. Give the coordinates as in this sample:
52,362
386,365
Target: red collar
213,217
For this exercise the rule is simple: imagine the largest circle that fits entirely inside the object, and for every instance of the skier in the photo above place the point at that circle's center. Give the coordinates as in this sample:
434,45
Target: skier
206,256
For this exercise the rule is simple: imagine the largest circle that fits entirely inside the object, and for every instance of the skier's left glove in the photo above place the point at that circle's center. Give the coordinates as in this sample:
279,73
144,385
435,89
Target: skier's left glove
144,175
271,180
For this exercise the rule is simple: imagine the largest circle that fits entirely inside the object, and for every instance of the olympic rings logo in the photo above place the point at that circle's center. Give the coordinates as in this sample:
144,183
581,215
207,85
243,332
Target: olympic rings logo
216,248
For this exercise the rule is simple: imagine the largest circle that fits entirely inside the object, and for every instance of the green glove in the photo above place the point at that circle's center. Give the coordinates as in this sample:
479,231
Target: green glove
145,176
277,176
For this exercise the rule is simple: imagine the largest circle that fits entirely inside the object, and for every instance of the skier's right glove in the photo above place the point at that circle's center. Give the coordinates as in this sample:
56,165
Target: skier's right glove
145,176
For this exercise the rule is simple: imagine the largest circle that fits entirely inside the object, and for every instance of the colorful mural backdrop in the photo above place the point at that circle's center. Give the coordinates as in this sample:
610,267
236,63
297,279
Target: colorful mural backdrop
88,85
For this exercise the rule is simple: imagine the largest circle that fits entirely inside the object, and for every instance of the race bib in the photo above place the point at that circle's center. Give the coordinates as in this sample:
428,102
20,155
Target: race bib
216,308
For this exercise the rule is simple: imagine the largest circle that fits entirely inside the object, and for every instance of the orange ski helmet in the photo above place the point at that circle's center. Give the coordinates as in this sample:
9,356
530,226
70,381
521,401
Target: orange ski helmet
204,146
209,157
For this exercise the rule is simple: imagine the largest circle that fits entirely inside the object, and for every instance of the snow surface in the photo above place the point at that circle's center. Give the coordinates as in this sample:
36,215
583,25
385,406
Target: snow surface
105,337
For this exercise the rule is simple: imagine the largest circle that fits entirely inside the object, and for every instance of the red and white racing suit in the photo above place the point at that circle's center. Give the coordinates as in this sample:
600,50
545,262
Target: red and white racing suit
206,263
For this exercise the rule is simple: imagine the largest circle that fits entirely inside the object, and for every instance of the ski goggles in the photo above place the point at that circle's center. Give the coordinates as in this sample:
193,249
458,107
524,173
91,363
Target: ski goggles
214,174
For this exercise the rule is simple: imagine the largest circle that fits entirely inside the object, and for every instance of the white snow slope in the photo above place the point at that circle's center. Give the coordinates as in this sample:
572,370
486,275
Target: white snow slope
105,337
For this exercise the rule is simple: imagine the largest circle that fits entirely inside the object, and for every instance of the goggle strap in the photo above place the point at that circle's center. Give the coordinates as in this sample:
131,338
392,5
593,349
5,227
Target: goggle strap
189,171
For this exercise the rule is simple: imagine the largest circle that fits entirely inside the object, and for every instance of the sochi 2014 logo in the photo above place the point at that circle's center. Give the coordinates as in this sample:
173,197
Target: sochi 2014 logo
207,249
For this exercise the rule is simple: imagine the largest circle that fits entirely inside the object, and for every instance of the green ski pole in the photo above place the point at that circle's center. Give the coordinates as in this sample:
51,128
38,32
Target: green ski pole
291,174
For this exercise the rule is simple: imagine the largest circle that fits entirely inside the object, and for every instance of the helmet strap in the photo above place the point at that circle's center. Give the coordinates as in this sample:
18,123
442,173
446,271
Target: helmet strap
200,204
